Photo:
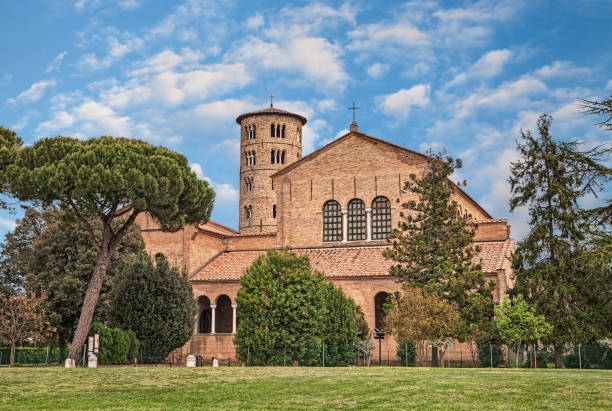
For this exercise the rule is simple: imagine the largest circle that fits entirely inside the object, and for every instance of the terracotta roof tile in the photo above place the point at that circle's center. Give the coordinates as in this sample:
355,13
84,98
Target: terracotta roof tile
342,262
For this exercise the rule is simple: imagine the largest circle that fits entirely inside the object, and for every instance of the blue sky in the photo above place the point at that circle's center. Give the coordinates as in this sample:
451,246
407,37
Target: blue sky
463,76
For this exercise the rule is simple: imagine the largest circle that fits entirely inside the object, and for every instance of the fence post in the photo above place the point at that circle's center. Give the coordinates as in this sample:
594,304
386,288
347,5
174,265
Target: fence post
285,357
406,347
491,354
323,348
579,357
248,355
535,356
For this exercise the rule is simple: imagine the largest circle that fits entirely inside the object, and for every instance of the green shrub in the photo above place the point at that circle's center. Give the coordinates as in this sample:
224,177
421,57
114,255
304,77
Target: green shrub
116,346
484,355
407,353
592,357
31,355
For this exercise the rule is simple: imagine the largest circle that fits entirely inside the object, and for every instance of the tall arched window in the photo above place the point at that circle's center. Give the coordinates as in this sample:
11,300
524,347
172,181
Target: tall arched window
274,211
283,131
204,315
248,182
379,310
272,129
381,218
356,220
282,159
223,315
272,157
278,130
248,211
332,221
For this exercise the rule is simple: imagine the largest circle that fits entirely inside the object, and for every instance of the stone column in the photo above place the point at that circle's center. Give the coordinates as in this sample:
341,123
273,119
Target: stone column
344,226
368,224
212,318
234,318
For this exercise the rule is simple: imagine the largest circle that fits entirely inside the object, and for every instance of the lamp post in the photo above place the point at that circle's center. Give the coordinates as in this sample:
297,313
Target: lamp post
379,335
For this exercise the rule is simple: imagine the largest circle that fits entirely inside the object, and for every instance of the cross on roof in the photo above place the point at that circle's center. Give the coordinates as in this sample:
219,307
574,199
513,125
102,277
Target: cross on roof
354,109
271,97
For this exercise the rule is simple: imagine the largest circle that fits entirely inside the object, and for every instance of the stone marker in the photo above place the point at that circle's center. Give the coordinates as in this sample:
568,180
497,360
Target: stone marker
191,360
69,363
215,362
92,361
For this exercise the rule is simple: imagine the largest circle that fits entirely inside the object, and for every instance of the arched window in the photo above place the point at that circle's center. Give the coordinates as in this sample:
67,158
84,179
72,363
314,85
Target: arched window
278,130
381,218
299,134
283,131
248,183
332,221
250,158
272,157
248,211
223,315
379,310
159,256
278,153
274,211
204,315
272,129
282,159
253,131
356,220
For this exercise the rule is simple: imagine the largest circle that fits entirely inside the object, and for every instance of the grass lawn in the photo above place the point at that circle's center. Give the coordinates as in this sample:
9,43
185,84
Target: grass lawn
291,388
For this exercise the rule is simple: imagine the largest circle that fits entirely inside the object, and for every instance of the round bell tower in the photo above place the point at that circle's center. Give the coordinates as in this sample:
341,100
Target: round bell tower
270,140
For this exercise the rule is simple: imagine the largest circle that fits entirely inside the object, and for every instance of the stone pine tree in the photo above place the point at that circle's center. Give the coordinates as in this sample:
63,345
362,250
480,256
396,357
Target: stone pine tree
432,248
60,262
155,301
550,179
110,180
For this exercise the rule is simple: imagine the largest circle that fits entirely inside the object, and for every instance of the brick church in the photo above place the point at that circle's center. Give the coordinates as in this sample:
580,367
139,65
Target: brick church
337,205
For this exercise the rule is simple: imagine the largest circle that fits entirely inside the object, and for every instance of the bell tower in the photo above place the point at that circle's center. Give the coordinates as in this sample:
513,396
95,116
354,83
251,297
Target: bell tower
270,140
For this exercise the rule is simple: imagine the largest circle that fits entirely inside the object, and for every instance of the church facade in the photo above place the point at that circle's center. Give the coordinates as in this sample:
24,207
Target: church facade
337,205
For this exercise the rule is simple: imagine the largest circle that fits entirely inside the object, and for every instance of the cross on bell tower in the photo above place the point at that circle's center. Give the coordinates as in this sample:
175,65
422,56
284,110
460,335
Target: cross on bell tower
271,97
354,126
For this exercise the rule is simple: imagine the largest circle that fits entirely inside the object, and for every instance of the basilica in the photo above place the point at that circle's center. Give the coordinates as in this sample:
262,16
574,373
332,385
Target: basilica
337,205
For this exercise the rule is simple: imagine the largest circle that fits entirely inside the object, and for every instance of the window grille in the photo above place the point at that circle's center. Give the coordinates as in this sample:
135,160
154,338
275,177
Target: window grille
356,220
332,221
381,218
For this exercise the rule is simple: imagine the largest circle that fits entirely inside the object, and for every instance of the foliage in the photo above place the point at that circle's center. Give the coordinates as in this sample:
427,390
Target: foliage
32,355
418,316
591,356
117,346
433,249
285,306
105,179
518,323
488,350
602,108
9,141
407,353
22,317
59,261
550,271
155,301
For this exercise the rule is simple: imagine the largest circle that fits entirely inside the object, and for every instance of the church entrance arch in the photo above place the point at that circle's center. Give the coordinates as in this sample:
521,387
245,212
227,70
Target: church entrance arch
204,316
223,315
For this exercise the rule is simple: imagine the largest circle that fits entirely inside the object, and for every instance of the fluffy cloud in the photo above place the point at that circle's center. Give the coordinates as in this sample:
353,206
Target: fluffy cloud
34,93
377,70
255,22
562,69
488,65
225,194
400,103
56,63
383,35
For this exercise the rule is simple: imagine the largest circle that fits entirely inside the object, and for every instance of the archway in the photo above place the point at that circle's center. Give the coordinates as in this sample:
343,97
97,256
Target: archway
379,310
204,316
223,315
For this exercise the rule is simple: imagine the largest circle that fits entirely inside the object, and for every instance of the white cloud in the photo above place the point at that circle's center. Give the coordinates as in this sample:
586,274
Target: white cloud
56,63
487,66
255,22
129,4
382,35
400,103
377,70
225,194
326,105
562,69
7,224
313,58
34,93
609,85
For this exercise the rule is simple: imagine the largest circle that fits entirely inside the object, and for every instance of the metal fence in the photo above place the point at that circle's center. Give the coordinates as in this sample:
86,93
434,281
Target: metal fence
404,355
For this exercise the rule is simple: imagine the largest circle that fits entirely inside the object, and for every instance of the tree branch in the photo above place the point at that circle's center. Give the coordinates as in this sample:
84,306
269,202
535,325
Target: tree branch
89,228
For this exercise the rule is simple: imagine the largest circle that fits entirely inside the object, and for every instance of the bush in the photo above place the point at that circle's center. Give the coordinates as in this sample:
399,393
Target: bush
592,357
116,346
484,355
156,302
31,355
408,348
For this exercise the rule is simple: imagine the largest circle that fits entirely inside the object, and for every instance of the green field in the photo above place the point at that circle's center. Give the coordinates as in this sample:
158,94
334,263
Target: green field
297,388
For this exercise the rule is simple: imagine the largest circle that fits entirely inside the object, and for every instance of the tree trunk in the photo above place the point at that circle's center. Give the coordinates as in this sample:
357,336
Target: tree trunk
518,350
12,359
89,304
434,356
558,352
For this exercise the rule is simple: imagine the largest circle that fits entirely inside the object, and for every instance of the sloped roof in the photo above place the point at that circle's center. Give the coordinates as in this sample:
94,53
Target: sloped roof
341,262
269,111
216,228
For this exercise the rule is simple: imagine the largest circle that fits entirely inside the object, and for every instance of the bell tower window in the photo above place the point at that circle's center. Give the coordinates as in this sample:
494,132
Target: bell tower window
274,211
